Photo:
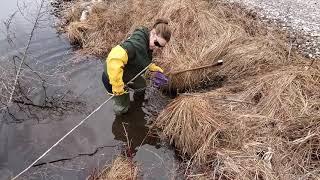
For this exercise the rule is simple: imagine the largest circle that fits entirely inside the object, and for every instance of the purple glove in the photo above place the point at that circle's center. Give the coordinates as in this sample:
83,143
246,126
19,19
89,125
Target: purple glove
159,80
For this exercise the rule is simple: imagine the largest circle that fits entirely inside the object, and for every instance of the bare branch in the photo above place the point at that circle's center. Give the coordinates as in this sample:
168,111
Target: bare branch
25,52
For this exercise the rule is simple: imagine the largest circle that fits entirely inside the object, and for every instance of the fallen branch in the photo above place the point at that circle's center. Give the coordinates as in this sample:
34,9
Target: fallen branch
197,68
36,22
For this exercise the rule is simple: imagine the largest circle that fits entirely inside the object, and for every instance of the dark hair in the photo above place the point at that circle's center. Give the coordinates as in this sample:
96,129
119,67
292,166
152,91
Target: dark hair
162,28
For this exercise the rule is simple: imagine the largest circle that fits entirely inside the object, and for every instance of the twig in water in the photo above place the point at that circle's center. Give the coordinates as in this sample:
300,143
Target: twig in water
129,152
26,50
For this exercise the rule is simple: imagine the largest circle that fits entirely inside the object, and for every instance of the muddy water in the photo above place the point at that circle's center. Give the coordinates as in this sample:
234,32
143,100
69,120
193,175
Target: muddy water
94,143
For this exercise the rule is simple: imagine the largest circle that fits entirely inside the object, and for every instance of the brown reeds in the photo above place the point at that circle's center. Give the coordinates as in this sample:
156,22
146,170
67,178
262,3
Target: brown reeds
107,25
251,129
120,169
190,114
199,38
301,154
264,124
203,33
252,56
286,93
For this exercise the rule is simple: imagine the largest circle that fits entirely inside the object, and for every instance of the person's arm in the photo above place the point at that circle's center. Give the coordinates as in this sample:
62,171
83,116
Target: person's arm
116,61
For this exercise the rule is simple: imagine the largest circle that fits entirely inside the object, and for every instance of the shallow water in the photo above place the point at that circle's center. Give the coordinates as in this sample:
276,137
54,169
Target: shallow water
21,143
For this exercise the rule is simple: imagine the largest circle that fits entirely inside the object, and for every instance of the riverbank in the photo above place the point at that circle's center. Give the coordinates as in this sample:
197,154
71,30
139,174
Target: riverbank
266,106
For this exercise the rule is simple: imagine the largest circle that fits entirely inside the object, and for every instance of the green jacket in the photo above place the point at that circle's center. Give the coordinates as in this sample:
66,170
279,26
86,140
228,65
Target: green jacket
139,54
128,59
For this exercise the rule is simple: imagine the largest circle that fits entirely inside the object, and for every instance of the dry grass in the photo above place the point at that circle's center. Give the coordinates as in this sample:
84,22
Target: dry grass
199,38
286,93
190,114
106,26
109,23
264,124
202,34
302,136
266,127
120,169
252,56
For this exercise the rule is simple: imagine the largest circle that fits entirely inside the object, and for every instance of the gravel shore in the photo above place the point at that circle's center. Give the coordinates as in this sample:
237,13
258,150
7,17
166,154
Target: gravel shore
300,17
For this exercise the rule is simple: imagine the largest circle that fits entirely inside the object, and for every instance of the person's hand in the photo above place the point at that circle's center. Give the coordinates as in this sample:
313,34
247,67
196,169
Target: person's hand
159,80
155,68
118,90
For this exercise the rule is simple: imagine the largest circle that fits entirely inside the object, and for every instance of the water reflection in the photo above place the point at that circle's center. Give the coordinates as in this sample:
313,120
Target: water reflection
134,122
22,143
8,7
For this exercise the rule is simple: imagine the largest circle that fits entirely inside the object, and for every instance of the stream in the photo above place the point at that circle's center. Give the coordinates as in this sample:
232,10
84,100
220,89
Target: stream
98,141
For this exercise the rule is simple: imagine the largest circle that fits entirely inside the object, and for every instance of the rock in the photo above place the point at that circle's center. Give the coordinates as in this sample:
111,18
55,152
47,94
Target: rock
315,34
84,15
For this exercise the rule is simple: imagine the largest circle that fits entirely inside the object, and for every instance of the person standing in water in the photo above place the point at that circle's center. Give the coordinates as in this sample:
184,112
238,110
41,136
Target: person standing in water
130,57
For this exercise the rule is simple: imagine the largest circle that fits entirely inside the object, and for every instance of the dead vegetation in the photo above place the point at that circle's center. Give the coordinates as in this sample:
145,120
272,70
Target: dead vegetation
203,33
263,124
106,26
108,23
120,169
254,129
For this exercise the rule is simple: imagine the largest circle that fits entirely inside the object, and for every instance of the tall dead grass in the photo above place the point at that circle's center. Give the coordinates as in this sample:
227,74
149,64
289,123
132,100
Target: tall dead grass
266,127
120,169
285,93
199,38
192,114
107,25
203,33
264,124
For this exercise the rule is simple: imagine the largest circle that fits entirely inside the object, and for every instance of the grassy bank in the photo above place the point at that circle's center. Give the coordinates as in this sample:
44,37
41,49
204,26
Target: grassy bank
263,123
